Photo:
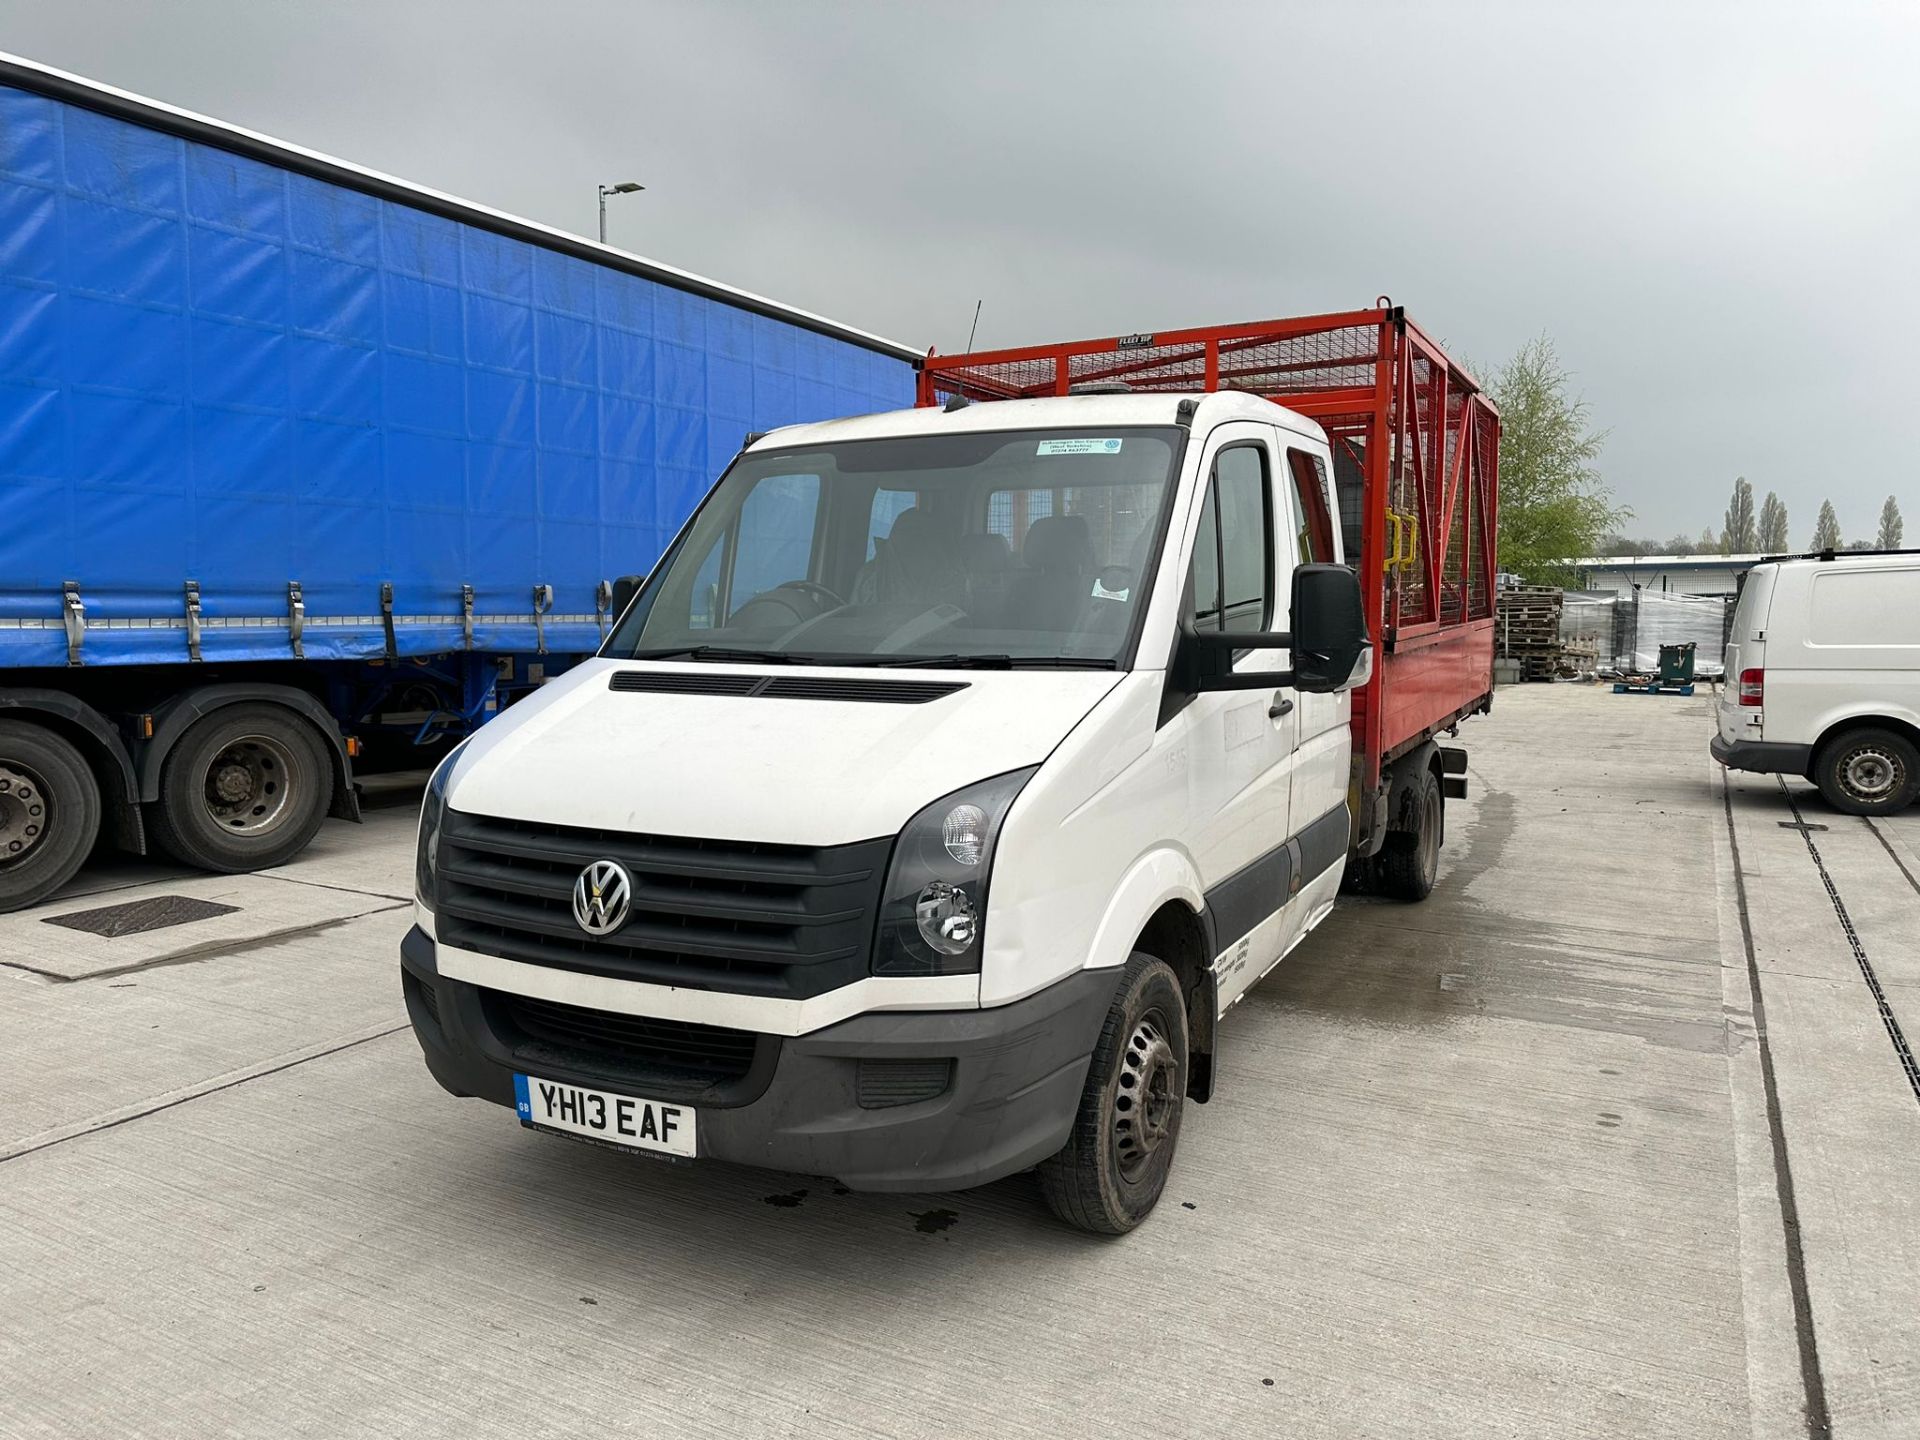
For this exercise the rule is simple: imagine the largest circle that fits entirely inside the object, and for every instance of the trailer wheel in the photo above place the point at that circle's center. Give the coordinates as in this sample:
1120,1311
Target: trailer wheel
245,789
1868,772
1109,1175
1410,859
49,813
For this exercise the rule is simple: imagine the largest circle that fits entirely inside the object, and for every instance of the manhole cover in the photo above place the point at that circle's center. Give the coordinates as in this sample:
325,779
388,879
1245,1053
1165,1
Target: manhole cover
138,916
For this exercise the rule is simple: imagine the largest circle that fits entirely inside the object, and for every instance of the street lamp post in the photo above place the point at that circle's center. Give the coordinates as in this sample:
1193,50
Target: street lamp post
625,187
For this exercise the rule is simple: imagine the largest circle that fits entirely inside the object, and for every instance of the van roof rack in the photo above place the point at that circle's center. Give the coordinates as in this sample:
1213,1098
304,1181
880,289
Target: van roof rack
1830,554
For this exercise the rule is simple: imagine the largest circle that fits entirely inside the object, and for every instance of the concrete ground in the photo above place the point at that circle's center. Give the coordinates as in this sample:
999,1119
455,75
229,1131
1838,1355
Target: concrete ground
1517,1161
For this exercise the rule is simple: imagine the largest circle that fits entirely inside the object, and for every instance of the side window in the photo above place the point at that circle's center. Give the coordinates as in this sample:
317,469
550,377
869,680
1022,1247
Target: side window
1233,551
1309,474
1246,537
776,535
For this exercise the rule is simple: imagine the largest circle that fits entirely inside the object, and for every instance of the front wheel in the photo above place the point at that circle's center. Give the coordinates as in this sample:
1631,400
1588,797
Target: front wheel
1109,1175
1869,772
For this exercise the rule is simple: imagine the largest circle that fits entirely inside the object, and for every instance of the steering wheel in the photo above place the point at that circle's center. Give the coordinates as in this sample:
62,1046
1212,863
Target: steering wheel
818,592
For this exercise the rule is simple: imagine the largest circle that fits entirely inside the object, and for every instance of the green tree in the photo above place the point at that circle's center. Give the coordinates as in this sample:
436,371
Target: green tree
1738,537
1554,507
1708,543
1773,526
1826,530
1892,527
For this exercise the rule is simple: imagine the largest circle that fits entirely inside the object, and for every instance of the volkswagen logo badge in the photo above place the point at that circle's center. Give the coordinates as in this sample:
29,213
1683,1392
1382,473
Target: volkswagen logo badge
601,896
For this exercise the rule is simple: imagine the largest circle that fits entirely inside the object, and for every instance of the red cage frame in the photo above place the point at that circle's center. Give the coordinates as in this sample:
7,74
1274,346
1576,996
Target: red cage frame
1405,419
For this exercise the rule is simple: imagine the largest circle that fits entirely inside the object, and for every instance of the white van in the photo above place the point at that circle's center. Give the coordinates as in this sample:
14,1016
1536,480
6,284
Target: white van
1823,677
951,776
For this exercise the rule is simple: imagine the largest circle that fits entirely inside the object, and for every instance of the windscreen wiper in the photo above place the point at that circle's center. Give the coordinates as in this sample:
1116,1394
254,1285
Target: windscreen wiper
722,652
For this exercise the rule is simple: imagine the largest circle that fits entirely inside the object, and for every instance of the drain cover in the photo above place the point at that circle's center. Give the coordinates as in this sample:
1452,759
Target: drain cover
138,916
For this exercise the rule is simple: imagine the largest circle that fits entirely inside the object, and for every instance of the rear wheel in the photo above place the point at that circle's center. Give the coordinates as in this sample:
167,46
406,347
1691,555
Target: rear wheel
1410,859
49,813
1115,1163
246,788
1868,772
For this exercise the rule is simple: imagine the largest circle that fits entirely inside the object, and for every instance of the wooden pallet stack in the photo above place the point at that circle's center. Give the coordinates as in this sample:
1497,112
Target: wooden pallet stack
1527,630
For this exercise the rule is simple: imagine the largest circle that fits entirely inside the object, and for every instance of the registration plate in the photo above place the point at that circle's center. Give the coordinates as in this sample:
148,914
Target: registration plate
624,1120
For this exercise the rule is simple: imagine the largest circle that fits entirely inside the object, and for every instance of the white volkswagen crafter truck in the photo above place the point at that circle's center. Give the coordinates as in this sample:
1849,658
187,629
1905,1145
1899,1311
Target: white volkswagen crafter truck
947,782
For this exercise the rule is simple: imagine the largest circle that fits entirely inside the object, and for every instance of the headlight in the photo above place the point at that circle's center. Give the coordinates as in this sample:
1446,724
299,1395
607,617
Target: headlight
433,809
934,908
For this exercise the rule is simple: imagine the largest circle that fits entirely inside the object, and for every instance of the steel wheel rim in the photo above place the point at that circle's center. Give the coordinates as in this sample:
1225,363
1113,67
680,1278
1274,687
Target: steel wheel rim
25,812
1871,774
248,787
1146,1097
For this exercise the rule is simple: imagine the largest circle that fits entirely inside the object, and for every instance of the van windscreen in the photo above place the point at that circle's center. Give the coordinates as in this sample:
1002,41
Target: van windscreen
1021,548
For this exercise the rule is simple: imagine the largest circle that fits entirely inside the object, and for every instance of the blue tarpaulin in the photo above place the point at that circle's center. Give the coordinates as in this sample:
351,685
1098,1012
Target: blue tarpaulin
217,370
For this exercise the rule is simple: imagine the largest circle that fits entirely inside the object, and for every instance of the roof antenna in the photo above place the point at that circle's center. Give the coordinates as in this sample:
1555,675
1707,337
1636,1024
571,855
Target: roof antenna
959,400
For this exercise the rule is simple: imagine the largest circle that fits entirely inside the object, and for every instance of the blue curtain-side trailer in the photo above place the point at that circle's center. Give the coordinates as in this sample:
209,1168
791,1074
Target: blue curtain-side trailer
296,458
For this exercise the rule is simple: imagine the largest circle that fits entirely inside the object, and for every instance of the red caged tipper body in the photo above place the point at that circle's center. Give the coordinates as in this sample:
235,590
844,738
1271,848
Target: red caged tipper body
1416,448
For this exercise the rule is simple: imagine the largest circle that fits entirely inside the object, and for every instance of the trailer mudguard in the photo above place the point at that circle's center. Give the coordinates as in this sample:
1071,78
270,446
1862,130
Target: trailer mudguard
172,718
104,749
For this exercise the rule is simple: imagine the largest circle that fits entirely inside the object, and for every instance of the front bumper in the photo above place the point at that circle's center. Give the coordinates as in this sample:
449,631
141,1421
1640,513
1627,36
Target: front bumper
1766,756
1013,1088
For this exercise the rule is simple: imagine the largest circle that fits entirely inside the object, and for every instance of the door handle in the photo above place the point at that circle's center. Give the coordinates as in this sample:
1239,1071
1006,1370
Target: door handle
1282,705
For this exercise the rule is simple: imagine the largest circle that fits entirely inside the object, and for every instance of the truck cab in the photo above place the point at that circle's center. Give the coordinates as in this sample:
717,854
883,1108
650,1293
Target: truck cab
951,777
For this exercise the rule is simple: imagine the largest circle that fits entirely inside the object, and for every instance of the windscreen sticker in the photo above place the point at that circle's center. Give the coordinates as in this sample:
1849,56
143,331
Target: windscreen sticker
1078,447
1101,592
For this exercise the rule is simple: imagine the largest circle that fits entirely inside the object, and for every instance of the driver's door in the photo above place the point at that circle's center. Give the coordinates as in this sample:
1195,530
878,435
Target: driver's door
1239,743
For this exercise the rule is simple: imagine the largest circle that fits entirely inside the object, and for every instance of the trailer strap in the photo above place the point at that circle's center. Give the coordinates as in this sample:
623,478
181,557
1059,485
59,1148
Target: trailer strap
193,619
386,618
74,615
466,617
542,603
296,619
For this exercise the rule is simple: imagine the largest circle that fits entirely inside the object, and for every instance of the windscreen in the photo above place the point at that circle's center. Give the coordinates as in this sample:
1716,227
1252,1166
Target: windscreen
1018,548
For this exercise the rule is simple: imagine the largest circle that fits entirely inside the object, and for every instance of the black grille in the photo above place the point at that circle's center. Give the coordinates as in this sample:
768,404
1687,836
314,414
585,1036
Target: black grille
786,921
637,1044
785,687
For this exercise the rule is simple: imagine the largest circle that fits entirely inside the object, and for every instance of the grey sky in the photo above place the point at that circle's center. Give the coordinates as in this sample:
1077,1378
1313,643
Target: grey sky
1712,209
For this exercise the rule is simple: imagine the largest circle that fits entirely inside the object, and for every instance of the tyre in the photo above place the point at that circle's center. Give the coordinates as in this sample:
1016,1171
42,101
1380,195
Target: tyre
1410,859
1109,1175
49,813
244,789
1868,772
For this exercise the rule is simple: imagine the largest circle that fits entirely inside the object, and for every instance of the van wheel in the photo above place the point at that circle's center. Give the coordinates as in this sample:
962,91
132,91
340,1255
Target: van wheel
1869,772
1410,859
245,789
49,813
1110,1174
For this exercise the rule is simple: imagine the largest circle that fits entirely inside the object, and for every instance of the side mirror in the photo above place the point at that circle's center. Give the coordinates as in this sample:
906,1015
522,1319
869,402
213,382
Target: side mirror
1331,651
624,589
